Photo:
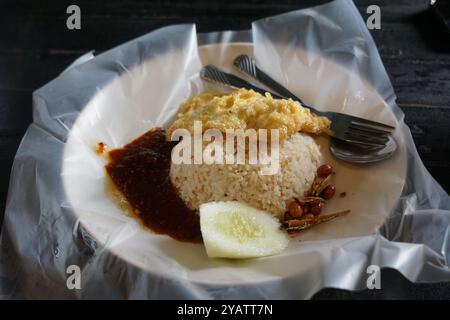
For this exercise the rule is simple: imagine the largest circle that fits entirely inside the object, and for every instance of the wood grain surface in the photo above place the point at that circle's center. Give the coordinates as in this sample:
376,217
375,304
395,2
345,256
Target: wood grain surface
35,46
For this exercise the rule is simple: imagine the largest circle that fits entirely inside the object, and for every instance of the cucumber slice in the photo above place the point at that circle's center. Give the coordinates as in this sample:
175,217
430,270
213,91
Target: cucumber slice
233,229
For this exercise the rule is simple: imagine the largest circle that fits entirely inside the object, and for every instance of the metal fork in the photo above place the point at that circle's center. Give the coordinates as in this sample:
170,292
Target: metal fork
343,126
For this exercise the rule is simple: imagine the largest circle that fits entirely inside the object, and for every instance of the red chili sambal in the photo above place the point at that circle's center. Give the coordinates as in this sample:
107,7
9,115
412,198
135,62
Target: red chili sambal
140,171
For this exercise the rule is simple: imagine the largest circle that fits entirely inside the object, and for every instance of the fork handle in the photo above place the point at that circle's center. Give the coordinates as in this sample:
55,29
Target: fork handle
247,65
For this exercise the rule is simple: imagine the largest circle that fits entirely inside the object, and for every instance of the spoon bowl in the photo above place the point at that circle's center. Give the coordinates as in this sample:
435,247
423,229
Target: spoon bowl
353,153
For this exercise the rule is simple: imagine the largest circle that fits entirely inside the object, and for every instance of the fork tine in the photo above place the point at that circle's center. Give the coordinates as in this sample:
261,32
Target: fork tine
363,121
355,138
366,128
363,143
356,148
368,137
370,133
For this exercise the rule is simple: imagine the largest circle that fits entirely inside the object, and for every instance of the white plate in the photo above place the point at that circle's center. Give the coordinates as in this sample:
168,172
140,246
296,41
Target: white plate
139,100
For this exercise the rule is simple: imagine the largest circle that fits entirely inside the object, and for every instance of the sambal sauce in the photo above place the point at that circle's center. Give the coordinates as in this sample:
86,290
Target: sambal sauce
140,171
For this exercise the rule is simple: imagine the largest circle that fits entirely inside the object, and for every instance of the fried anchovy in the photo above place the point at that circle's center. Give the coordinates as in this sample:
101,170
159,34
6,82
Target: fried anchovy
293,226
305,200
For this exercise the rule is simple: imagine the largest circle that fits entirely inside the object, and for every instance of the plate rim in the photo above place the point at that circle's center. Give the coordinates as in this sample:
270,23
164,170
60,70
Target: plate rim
248,282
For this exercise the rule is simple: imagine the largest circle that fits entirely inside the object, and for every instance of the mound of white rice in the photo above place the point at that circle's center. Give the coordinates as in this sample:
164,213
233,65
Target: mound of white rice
299,158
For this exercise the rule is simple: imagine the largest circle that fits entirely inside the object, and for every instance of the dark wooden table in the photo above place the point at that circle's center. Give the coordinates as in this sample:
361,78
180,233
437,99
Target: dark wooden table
35,46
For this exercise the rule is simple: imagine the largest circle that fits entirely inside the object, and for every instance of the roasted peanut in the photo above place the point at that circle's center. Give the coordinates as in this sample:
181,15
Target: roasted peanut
316,208
287,216
295,210
328,192
324,170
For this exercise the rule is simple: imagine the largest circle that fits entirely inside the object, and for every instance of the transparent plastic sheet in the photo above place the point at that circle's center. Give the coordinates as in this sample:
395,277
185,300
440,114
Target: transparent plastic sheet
47,224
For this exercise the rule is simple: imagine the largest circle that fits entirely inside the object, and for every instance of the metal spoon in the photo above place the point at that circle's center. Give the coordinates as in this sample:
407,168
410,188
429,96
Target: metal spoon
356,154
